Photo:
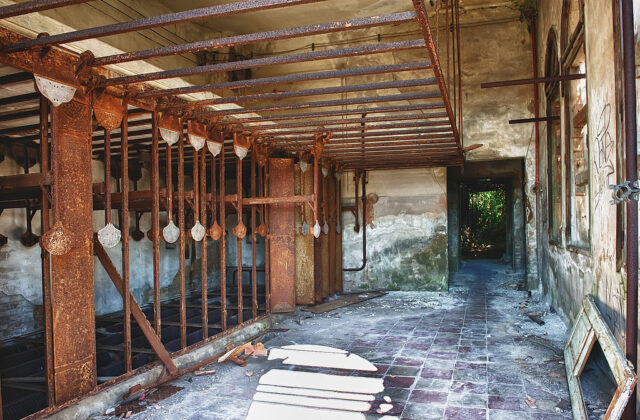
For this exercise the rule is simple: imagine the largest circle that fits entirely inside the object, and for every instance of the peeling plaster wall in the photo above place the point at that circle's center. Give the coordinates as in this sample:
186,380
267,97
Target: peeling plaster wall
570,273
407,245
21,272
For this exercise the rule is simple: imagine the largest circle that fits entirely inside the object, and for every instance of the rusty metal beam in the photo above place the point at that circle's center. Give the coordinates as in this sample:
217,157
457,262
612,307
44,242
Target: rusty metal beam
268,61
138,315
74,344
335,113
423,20
182,240
322,104
14,78
532,81
223,10
268,36
223,242
299,139
333,90
269,132
291,78
124,221
155,225
18,99
35,6
348,121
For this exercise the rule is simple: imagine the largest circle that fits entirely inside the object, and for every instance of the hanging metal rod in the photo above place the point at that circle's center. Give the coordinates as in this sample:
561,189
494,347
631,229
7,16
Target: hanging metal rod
267,36
222,10
268,61
292,78
532,120
321,104
394,84
531,81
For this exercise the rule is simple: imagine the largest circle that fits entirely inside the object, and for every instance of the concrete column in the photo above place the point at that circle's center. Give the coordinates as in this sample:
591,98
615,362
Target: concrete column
72,286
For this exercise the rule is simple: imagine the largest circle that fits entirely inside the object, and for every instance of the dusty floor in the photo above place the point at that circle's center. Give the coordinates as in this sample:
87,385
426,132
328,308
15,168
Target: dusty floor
469,354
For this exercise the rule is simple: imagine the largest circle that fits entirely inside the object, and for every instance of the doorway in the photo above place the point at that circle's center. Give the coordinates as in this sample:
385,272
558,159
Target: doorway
483,219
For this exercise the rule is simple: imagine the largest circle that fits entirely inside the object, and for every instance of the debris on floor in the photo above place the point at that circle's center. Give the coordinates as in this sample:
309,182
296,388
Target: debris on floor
342,301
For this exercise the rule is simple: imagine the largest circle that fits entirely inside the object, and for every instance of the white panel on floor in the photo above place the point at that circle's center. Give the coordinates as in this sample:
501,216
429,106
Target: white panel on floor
322,359
304,401
313,347
322,381
269,411
314,393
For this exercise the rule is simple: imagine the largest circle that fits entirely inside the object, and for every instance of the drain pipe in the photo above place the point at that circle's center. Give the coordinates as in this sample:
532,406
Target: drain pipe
630,130
364,225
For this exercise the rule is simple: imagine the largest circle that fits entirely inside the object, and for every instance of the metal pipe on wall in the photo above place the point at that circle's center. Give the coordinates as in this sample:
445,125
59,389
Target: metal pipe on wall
631,151
364,226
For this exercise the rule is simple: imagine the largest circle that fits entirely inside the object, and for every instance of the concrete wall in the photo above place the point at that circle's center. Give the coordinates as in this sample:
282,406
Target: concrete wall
407,245
570,273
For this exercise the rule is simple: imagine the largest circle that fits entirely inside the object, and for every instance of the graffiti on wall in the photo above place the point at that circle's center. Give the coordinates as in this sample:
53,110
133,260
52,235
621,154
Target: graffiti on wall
604,155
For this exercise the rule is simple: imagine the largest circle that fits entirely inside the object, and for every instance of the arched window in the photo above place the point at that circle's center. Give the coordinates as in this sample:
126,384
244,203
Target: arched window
554,140
576,127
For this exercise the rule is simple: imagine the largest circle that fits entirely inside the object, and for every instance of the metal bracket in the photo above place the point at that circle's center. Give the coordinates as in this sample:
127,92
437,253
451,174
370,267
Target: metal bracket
624,192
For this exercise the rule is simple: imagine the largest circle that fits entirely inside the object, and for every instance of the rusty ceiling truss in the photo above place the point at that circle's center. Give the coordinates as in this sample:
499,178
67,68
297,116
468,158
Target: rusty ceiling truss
394,123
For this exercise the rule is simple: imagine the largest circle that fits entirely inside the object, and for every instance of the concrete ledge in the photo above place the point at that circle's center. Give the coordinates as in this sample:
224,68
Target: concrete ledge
98,403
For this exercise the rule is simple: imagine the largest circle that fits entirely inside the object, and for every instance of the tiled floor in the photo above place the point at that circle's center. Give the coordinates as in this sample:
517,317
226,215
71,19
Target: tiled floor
468,354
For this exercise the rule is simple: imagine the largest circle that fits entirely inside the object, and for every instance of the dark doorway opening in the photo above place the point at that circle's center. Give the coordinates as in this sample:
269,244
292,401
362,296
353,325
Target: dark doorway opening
484,210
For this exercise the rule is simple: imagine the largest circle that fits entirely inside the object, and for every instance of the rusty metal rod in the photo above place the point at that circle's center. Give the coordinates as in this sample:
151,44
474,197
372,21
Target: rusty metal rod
27,97
267,61
275,96
34,6
322,104
203,246
535,80
343,122
155,226
46,261
369,134
223,10
423,20
291,78
364,225
631,234
244,39
223,244
126,295
336,113
416,124
239,239
534,120
182,240
254,273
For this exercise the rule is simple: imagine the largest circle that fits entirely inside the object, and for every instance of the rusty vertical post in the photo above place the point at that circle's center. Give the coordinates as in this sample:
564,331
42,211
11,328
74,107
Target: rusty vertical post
46,263
264,190
331,207
72,287
339,261
324,238
631,152
240,237
317,242
125,242
223,245
203,245
182,240
281,232
254,272
155,225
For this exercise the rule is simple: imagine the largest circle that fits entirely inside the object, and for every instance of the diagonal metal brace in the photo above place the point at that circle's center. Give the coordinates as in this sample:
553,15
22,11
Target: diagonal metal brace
625,192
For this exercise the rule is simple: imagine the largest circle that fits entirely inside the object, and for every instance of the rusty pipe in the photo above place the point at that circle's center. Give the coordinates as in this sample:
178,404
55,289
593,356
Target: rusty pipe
631,135
364,226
